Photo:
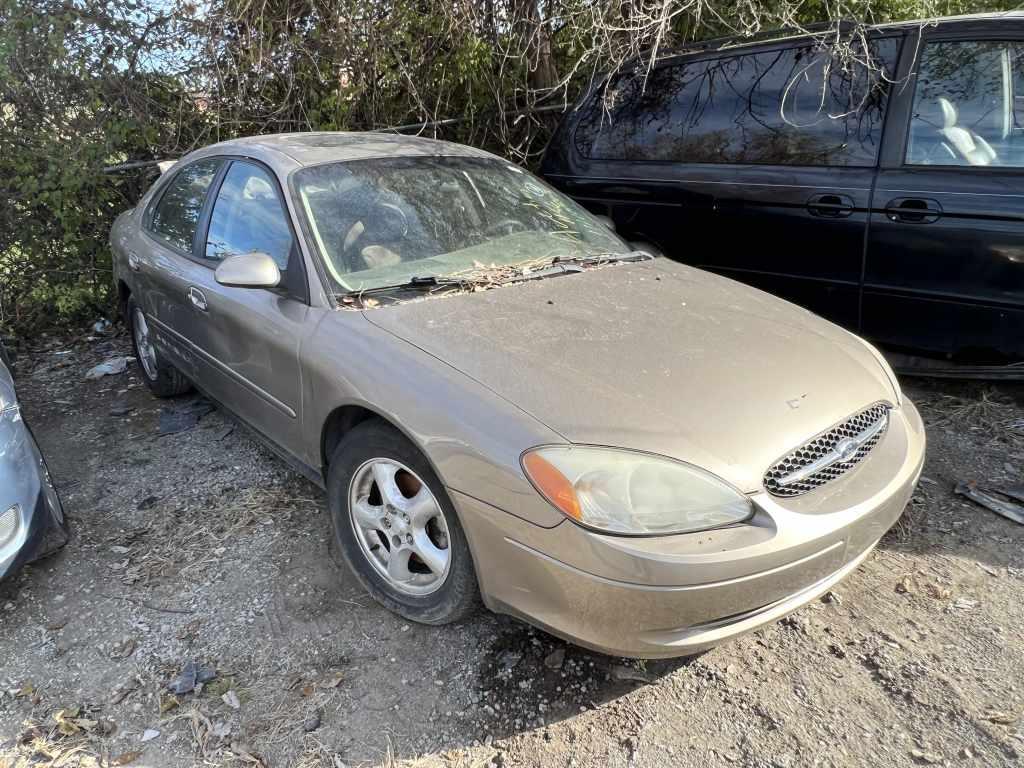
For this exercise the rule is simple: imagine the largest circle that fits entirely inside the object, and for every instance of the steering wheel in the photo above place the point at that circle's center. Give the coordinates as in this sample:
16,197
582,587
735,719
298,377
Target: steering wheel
387,223
506,227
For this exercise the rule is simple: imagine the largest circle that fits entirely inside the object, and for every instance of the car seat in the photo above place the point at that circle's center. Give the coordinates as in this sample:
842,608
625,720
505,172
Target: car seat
967,144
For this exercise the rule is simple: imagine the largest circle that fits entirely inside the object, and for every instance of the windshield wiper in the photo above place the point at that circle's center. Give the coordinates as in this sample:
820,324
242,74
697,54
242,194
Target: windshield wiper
559,265
603,258
415,283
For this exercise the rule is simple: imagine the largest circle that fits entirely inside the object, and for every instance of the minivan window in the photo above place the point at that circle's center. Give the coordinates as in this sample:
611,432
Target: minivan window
801,105
248,216
176,215
967,108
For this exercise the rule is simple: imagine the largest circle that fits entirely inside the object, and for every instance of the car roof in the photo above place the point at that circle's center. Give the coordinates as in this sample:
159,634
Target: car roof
313,148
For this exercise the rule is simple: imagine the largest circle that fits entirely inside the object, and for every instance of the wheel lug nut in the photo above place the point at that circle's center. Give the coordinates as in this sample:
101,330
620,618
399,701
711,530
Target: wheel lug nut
408,539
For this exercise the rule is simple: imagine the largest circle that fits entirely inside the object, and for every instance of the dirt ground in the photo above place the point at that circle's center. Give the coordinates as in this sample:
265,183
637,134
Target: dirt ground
202,546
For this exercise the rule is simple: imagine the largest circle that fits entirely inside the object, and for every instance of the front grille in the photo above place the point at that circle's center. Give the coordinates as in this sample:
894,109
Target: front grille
829,455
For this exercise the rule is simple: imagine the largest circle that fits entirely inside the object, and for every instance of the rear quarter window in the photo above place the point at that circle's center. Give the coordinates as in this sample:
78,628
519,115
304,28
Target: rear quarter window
799,105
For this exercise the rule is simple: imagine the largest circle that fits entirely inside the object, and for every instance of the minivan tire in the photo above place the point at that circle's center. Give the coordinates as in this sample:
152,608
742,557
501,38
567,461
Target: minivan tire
165,380
458,596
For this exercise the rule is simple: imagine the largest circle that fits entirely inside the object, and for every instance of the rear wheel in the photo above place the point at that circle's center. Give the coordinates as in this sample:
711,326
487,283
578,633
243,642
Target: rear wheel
396,528
162,378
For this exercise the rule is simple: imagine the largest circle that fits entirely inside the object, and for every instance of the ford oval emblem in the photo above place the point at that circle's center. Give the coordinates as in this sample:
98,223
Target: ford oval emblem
846,449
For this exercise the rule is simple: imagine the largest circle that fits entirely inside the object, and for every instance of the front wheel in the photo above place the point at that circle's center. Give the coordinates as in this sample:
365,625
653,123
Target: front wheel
396,528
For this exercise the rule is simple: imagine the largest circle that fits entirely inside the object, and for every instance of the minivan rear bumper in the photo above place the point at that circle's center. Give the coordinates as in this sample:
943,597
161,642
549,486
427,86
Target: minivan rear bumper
680,595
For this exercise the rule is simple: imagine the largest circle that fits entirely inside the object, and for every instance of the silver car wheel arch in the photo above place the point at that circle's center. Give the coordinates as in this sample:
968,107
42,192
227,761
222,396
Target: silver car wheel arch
404,538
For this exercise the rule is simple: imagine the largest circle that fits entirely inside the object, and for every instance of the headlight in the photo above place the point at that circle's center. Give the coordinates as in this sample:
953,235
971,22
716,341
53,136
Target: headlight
11,413
625,492
10,524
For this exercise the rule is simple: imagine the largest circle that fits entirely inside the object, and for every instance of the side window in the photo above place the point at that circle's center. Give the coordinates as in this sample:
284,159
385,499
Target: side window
248,216
966,108
795,106
176,214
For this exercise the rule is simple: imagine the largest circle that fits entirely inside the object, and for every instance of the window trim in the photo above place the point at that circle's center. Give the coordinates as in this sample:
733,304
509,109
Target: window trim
899,36
296,283
147,217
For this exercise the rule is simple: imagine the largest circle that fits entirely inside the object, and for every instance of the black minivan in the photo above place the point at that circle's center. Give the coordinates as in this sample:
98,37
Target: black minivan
878,183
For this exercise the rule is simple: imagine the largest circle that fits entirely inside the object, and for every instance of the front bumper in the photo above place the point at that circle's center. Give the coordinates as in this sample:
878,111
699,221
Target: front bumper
680,595
26,486
40,534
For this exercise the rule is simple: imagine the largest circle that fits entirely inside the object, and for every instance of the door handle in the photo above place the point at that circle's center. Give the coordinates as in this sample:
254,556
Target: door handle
197,298
830,206
913,210
134,263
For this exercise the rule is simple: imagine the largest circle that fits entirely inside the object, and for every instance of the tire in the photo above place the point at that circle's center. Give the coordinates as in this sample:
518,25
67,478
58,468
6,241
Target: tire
162,378
429,594
58,533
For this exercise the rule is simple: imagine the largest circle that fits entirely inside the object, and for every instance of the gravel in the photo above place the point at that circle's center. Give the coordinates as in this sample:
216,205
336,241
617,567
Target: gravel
200,547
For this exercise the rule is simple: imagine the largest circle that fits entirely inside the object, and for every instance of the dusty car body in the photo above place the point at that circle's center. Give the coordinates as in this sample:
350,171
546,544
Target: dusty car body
542,427
32,520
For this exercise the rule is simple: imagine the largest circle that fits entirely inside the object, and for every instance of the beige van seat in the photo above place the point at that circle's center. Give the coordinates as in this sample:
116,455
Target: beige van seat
969,145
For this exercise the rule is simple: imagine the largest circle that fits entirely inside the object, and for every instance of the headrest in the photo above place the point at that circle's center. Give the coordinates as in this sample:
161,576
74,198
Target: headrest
949,113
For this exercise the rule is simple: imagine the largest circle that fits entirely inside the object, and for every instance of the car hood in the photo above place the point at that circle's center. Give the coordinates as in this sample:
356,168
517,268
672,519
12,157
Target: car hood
653,356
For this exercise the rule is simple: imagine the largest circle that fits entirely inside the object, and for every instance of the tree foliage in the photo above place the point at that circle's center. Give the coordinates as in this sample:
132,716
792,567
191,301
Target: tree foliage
89,83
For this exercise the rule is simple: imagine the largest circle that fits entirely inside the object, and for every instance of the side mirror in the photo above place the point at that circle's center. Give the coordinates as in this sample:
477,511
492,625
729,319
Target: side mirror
248,270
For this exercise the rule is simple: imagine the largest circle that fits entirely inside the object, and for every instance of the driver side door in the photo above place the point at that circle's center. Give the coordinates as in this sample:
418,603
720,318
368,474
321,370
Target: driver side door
249,338
944,268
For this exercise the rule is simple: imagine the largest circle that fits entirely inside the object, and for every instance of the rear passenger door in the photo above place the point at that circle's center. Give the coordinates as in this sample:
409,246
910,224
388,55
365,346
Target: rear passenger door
161,259
944,274
755,164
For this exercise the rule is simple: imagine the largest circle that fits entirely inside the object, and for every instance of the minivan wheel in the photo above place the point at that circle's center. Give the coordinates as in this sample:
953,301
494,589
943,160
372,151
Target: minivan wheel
162,378
396,528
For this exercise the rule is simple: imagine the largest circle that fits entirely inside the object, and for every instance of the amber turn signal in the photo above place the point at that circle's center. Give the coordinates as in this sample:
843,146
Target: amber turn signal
552,484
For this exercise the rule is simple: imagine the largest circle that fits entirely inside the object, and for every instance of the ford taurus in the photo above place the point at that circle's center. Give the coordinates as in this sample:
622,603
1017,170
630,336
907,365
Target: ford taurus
507,403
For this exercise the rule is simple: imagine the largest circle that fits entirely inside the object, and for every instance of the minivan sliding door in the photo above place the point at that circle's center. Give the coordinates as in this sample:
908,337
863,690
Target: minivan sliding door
944,274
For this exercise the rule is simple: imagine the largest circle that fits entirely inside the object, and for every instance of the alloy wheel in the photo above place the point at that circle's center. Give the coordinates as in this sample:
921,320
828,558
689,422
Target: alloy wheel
143,343
400,526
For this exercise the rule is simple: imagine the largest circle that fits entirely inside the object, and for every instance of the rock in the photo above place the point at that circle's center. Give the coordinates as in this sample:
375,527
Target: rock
510,659
312,722
555,659
622,672
149,734
120,409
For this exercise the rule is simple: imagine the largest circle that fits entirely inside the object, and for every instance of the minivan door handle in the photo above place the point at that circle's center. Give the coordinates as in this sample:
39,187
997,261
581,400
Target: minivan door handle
197,298
913,210
831,206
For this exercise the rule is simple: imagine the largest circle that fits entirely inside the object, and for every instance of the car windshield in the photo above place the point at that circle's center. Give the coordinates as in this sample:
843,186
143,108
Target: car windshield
382,222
